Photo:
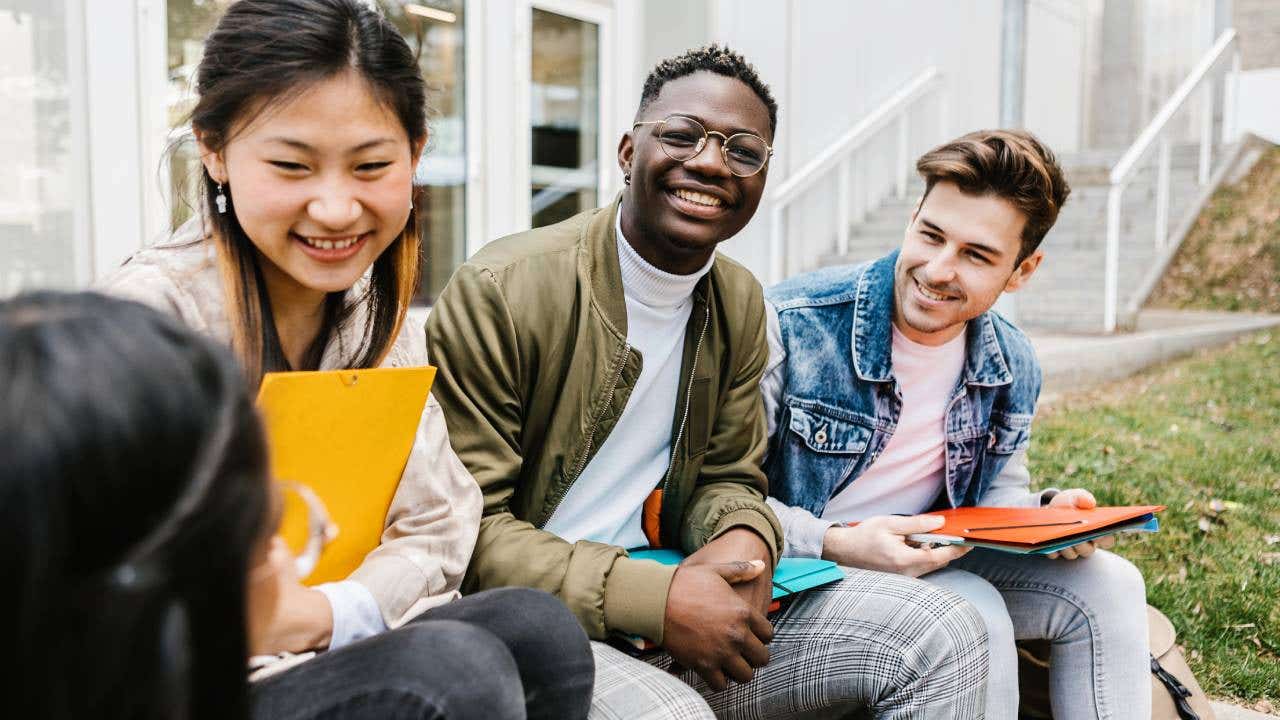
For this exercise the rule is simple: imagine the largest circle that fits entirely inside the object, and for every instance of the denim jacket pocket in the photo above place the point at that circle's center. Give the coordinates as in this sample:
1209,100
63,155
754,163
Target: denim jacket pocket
824,433
1009,433
818,451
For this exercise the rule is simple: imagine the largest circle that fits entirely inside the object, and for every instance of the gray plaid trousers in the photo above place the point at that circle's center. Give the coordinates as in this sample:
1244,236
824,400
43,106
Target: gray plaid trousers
875,645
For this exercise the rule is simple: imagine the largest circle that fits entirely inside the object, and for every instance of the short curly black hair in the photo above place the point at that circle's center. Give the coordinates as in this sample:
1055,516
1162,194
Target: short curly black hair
712,58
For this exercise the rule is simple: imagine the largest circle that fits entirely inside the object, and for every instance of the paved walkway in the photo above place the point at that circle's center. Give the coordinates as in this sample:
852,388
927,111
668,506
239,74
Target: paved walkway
1076,362
1223,711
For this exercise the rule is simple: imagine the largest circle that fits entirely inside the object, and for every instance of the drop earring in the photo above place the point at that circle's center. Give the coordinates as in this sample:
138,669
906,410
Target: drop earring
221,201
626,178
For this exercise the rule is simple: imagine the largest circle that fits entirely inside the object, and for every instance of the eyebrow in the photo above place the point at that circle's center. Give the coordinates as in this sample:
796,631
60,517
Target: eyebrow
979,246
299,145
733,131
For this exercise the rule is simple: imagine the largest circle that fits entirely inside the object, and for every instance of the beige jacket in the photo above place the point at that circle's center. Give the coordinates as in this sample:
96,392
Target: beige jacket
432,523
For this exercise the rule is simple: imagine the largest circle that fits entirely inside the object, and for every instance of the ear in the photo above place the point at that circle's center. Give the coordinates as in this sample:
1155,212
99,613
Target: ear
212,161
626,151
1024,271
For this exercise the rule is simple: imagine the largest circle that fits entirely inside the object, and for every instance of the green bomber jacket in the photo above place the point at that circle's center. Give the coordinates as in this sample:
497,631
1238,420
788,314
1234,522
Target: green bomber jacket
534,370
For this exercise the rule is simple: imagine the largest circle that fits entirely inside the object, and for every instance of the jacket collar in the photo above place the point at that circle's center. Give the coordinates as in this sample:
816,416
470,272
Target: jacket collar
984,362
600,261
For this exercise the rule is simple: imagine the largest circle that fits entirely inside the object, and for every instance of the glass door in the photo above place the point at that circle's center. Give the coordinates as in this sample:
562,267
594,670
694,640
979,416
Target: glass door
564,116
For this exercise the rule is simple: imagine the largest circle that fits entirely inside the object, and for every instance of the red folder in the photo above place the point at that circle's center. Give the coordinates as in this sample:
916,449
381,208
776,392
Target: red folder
1036,530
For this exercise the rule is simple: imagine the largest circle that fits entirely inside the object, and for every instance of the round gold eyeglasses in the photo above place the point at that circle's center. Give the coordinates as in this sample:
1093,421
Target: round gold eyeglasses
682,138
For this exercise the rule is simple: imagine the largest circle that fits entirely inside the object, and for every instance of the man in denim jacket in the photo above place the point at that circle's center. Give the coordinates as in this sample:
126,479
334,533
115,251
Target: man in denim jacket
892,389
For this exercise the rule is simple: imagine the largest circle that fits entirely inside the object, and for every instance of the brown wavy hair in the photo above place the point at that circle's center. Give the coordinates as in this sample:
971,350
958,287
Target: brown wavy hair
263,52
1011,164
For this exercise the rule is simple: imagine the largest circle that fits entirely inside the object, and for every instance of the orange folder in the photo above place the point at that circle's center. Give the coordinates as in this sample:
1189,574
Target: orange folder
1036,530
346,434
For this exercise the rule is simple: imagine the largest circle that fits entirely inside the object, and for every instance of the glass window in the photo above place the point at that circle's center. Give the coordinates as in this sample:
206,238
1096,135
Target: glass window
38,186
187,24
436,32
565,116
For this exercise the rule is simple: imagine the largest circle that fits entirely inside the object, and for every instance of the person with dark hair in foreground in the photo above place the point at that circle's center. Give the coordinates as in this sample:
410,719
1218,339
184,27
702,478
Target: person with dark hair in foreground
133,504
893,388
136,524
304,255
601,379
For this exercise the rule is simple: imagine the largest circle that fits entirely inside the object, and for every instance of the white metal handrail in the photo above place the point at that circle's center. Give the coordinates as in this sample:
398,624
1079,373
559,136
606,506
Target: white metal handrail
839,155
1198,79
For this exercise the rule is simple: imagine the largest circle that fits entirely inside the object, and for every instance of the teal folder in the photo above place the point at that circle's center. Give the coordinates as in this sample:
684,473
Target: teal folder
792,575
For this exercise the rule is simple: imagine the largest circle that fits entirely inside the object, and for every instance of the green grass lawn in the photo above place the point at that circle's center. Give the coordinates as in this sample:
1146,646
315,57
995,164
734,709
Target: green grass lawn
1195,435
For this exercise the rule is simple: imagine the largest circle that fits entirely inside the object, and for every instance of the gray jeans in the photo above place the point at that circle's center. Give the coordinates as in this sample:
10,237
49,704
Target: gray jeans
1092,610
873,645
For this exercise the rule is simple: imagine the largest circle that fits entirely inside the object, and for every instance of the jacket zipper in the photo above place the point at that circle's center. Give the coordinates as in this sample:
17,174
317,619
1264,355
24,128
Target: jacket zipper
688,396
591,433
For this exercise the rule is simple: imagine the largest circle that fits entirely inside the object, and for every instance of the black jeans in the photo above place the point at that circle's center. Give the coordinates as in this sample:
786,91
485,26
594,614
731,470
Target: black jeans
506,653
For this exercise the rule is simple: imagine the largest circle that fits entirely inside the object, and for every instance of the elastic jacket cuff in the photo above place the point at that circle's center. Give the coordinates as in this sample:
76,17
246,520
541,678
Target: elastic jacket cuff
635,597
756,521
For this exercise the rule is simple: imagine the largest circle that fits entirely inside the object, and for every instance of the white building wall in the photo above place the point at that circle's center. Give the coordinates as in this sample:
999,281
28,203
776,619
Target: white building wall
830,62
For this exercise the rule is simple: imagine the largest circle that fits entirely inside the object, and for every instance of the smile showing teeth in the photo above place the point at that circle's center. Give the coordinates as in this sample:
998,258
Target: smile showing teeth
697,197
330,243
930,294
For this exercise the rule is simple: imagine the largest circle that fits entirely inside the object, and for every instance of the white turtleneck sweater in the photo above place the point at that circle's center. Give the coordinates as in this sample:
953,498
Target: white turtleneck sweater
605,503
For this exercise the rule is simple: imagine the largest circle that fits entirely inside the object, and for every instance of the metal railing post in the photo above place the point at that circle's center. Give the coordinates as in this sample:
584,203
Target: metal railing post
1206,132
900,180
1162,193
1112,274
1231,100
842,208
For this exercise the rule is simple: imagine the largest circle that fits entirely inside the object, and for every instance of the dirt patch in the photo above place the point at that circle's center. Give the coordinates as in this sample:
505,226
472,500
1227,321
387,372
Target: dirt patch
1231,258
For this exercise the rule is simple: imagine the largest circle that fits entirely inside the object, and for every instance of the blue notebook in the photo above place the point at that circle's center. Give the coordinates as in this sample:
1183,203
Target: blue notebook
792,575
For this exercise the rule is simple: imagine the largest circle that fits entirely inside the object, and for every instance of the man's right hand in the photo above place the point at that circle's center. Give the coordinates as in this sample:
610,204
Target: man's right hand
710,629
880,543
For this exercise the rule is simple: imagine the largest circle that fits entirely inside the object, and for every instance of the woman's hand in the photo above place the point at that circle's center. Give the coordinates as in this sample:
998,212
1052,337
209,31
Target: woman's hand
1083,500
284,614
880,543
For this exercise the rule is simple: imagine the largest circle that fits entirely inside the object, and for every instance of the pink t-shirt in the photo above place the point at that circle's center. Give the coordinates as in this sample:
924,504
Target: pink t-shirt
910,471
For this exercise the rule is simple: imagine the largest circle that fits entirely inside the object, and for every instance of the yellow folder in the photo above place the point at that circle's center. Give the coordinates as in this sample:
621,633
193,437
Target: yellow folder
346,434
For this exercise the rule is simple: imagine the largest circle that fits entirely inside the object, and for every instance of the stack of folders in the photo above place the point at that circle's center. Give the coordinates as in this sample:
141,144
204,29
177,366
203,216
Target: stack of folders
792,576
1038,531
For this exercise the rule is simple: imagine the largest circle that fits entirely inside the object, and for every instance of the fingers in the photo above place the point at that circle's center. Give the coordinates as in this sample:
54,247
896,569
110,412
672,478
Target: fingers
913,524
714,678
1105,542
760,627
1075,497
755,652
737,669
1084,549
1069,553
740,571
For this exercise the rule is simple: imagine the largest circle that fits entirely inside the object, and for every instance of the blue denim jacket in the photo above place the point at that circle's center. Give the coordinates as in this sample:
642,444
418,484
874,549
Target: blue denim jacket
837,402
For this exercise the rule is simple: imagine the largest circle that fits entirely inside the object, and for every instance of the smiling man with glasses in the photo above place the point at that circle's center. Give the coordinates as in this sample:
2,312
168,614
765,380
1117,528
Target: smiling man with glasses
601,382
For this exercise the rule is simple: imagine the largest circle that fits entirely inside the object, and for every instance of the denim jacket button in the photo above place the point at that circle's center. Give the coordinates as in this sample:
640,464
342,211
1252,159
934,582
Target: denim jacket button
820,437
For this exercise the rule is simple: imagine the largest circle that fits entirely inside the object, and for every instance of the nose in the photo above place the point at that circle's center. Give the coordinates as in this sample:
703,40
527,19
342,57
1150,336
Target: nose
710,160
335,208
941,268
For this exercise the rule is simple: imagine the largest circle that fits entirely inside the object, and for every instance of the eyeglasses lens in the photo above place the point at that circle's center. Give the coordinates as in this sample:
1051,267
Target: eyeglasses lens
683,138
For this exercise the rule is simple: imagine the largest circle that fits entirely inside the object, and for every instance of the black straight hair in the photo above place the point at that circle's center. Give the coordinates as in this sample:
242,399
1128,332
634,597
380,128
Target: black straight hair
132,498
264,52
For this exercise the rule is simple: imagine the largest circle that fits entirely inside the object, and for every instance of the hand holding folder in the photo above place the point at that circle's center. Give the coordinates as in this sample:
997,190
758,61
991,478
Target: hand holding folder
346,435
1039,531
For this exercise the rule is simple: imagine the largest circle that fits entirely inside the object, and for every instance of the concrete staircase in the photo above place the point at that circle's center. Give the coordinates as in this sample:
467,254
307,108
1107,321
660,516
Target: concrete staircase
1066,295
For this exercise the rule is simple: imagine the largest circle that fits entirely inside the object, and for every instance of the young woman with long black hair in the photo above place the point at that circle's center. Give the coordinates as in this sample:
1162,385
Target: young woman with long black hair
310,121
